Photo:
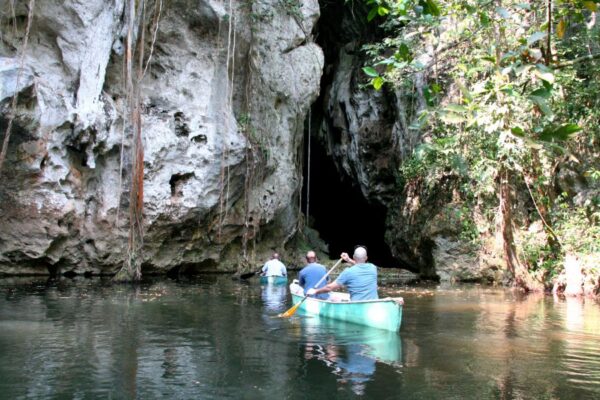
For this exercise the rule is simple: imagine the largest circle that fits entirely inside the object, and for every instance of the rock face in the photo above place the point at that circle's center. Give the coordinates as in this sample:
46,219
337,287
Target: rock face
224,96
359,128
369,135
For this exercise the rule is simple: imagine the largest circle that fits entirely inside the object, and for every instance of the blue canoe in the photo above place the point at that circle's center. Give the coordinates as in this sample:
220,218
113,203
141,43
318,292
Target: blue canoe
382,313
273,280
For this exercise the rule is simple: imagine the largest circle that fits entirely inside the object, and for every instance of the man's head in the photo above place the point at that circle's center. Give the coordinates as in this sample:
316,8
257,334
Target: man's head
275,256
360,255
311,257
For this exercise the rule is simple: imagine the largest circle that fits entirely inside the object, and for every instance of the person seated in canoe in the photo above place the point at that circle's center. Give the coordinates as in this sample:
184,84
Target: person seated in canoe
360,279
274,267
311,274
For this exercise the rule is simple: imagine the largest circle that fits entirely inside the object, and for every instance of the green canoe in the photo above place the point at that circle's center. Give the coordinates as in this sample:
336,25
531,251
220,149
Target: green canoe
273,280
383,313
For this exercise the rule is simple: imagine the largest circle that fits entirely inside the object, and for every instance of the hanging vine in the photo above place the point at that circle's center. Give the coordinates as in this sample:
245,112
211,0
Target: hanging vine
13,107
224,174
134,70
256,152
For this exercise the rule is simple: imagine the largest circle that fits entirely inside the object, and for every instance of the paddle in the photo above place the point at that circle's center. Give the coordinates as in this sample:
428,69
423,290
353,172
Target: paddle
294,308
250,274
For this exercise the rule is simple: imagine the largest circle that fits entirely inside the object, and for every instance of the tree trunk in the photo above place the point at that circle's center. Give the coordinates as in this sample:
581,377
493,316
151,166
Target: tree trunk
519,273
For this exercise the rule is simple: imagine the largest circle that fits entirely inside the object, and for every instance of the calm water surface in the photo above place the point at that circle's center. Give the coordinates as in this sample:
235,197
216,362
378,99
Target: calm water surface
213,338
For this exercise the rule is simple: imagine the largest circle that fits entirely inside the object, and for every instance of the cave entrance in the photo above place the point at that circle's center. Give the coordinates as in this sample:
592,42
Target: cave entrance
338,210
333,203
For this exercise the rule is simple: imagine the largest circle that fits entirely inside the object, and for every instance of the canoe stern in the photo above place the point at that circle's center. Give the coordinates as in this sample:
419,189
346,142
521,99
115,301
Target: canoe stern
383,314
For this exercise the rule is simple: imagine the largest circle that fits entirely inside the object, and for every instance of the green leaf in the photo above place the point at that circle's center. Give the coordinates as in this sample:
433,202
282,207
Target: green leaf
445,141
509,90
382,11
518,131
590,5
370,71
561,133
372,14
457,108
535,37
422,150
484,19
568,130
542,104
386,61
541,92
430,97
469,8
404,52
452,118
432,8
377,82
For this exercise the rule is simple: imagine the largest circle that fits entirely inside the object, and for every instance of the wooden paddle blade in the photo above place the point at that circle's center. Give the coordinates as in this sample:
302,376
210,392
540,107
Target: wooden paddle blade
247,275
250,274
291,311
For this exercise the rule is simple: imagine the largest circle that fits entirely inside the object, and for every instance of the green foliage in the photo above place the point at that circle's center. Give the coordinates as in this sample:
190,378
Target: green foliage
469,231
578,226
499,99
539,255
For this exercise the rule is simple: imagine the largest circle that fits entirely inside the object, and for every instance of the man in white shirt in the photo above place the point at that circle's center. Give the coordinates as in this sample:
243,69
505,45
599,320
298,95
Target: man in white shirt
274,267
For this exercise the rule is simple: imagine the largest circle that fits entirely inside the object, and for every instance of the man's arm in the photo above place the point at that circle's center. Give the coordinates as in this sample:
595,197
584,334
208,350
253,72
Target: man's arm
325,289
347,258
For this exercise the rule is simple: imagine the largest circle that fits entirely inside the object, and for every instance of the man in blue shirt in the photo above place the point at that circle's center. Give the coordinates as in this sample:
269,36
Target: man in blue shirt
360,279
311,274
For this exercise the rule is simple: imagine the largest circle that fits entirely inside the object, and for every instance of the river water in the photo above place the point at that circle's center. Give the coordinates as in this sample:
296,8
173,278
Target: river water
212,338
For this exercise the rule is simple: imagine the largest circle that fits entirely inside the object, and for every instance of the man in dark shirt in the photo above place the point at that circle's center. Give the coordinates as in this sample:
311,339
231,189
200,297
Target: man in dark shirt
311,274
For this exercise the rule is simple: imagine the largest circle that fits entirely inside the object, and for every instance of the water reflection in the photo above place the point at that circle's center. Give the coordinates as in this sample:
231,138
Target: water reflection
521,346
274,297
581,363
213,338
352,352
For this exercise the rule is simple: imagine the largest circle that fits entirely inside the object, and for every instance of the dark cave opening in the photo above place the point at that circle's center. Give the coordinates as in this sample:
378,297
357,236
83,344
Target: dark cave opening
340,213
336,206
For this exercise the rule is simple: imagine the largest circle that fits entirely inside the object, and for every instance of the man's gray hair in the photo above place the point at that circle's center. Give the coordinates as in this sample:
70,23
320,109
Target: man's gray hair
360,254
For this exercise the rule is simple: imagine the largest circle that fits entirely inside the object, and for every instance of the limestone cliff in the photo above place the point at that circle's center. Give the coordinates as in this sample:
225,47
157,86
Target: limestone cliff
224,98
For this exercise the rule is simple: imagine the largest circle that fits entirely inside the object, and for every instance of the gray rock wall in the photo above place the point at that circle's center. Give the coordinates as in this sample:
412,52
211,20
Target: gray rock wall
369,135
224,99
